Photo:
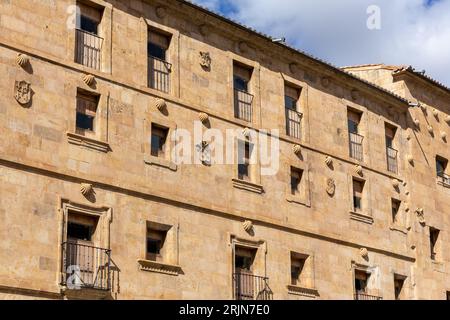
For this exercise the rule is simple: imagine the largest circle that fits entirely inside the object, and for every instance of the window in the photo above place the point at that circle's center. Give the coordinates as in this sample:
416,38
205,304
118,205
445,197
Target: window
361,280
242,98
355,139
399,282
155,243
448,295
296,178
243,259
391,153
395,204
86,111
358,187
441,169
434,247
159,69
158,140
88,48
293,117
79,231
244,156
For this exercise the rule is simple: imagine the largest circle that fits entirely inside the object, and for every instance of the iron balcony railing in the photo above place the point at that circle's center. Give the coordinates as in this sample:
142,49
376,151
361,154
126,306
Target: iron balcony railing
88,51
243,105
250,287
443,179
356,146
392,160
159,74
364,296
293,123
85,266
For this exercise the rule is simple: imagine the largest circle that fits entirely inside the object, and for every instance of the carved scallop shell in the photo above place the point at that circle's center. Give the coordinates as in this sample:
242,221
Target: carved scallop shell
410,159
161,12
359,170
248,225
435,112
160,104
203,117
293,67
86,189
443,135
447,119
89,79
395,183
416,122
246,132
430,129
328,161
364,253
297,149
22,60
423,107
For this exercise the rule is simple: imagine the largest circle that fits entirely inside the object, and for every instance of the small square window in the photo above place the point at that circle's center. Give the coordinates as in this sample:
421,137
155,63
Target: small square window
158,140
87,104
155,243
301,270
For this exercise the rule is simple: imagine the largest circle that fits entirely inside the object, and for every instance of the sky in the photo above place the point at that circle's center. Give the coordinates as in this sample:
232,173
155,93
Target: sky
353,32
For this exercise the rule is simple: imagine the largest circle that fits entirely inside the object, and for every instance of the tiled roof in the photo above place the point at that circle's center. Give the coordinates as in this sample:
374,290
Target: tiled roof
422,75
269,38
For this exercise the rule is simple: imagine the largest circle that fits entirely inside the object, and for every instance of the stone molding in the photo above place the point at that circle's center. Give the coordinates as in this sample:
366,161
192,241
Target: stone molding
302,291
159,267
160,162
249,186
90,143
361,217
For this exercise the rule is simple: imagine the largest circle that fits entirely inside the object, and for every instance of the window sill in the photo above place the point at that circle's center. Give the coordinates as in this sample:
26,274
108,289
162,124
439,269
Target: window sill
296,200
86,142
249,186
302,291
399,229
361,217
160,162
159,267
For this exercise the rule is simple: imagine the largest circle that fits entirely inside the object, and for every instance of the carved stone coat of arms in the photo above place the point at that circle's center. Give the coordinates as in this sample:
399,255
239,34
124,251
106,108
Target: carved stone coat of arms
22,92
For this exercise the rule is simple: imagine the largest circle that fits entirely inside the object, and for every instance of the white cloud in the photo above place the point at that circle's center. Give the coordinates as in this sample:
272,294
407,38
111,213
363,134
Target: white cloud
411,33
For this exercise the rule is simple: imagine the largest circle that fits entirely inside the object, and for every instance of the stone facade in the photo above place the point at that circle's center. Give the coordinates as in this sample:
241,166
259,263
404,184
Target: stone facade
52,176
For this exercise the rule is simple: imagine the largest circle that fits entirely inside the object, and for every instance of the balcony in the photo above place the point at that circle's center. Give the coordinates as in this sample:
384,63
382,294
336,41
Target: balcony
159,74
356,146
250,287
364,296
88,49
392,160
85,267
243,105
293,123
443,179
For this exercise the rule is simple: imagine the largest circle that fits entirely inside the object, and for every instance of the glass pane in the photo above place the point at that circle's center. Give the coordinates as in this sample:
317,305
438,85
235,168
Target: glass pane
240,84
156,51
79,231
290,103
352,126
88,25
85,122
153,246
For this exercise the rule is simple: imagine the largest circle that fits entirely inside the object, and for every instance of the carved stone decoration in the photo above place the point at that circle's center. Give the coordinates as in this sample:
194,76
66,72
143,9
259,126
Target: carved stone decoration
22,60
204,29
297,149
416,122
293,67
331,187
395,183
328,161
205,60
86,189
364,253
406,207
23,92
246,132
203,117
355,94
407,192
443,135
243,46
248,225
410,159
359,170
325,81
420,216
447,119
161,12
435,113
430,129
89,79
423,107
160,104
204,150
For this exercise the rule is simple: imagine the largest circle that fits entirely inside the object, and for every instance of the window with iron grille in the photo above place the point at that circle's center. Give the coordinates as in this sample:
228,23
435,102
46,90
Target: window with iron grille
88,43
441,171
159,68
87,104
242,98
355,138
293,116
391,152
158,140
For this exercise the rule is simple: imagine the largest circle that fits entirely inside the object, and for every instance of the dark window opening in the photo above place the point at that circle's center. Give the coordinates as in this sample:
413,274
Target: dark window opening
434,235
297,266
361,280
155,243
244,154
358,187
441,166
296,178
89,25
86,111
243,260
76,231
398,287
158,140
158,44
395,209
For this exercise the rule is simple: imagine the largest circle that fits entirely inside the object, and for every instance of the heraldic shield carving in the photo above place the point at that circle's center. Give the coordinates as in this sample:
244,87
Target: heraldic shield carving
22,92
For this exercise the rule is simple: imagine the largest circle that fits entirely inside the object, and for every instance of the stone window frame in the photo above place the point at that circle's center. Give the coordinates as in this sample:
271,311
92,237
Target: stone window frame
365,215
167,162
405,288
254,185
260,258
99,140
102,213
173,54
171,264
304,198
374,283
106,34
254,88
303,106
364,124
398,226
300,290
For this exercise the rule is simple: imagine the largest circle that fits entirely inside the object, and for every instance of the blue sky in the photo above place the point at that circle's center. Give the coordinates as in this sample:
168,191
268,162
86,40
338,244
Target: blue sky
413,32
